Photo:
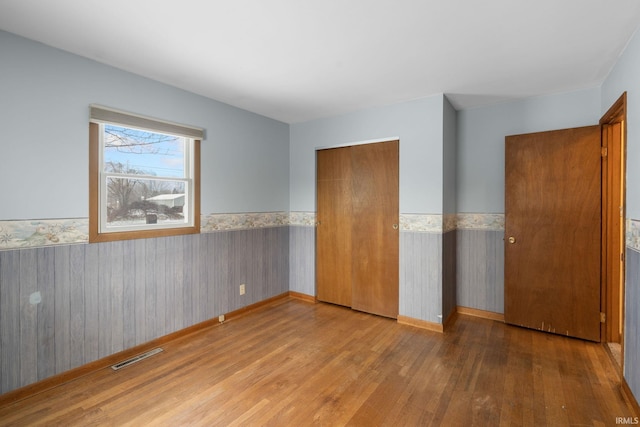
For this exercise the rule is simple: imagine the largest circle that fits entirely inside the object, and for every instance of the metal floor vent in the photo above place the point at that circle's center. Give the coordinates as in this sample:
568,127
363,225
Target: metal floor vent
135,359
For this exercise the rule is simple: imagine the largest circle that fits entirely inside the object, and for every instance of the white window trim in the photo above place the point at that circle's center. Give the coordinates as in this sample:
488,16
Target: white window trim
103,227
100,231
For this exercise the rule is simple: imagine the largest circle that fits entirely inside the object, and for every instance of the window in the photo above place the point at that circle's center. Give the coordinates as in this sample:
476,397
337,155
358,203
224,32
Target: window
144,177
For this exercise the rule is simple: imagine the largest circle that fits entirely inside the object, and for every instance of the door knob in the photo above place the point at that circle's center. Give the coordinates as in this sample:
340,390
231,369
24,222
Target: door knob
395,226
512,239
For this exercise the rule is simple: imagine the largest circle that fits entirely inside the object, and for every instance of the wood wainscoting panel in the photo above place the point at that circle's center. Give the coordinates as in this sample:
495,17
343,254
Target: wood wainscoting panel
100,299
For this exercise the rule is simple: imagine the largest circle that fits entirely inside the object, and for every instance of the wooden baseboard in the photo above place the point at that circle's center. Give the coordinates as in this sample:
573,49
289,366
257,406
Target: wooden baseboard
75,373
629,397
244,310
480,313
303,297
422,324
430,326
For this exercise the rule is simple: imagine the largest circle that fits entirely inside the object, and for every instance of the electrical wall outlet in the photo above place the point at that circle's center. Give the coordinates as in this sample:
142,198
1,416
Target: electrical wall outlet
221,318
242,289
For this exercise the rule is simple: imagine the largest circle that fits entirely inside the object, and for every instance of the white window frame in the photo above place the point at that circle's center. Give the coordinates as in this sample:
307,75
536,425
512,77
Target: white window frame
99,230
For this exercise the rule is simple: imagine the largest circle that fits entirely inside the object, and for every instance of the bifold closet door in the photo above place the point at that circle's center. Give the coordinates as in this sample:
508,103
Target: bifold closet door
357,233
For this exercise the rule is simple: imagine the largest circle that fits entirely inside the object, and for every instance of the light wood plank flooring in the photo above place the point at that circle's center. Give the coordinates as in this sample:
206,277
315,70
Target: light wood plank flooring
292,363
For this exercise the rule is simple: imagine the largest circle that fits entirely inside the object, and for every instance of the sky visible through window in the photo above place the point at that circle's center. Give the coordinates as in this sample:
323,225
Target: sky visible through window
133,151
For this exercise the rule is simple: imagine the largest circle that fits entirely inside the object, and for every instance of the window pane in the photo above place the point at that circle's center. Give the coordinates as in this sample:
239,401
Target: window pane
145,201
133,151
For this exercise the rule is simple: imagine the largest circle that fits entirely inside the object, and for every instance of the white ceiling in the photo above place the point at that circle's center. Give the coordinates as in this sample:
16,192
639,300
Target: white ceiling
297,60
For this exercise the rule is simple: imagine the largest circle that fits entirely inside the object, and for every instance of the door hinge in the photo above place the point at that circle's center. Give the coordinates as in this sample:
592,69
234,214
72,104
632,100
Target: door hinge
622,257
603,317
603,151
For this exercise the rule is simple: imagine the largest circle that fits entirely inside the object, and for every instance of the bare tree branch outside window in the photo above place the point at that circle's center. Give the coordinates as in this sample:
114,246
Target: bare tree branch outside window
130,152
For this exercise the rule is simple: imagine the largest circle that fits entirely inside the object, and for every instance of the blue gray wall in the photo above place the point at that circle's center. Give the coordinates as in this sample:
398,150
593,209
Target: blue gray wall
418,126
302,265
481,133
480,269
449,158
44,112
632,322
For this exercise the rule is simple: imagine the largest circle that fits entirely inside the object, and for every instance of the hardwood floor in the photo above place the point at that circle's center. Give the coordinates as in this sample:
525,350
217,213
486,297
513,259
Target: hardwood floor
292,363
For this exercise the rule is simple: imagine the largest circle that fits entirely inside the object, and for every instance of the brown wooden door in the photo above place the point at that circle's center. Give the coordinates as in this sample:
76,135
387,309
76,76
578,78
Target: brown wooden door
357,234
553,231
375,228
333,234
